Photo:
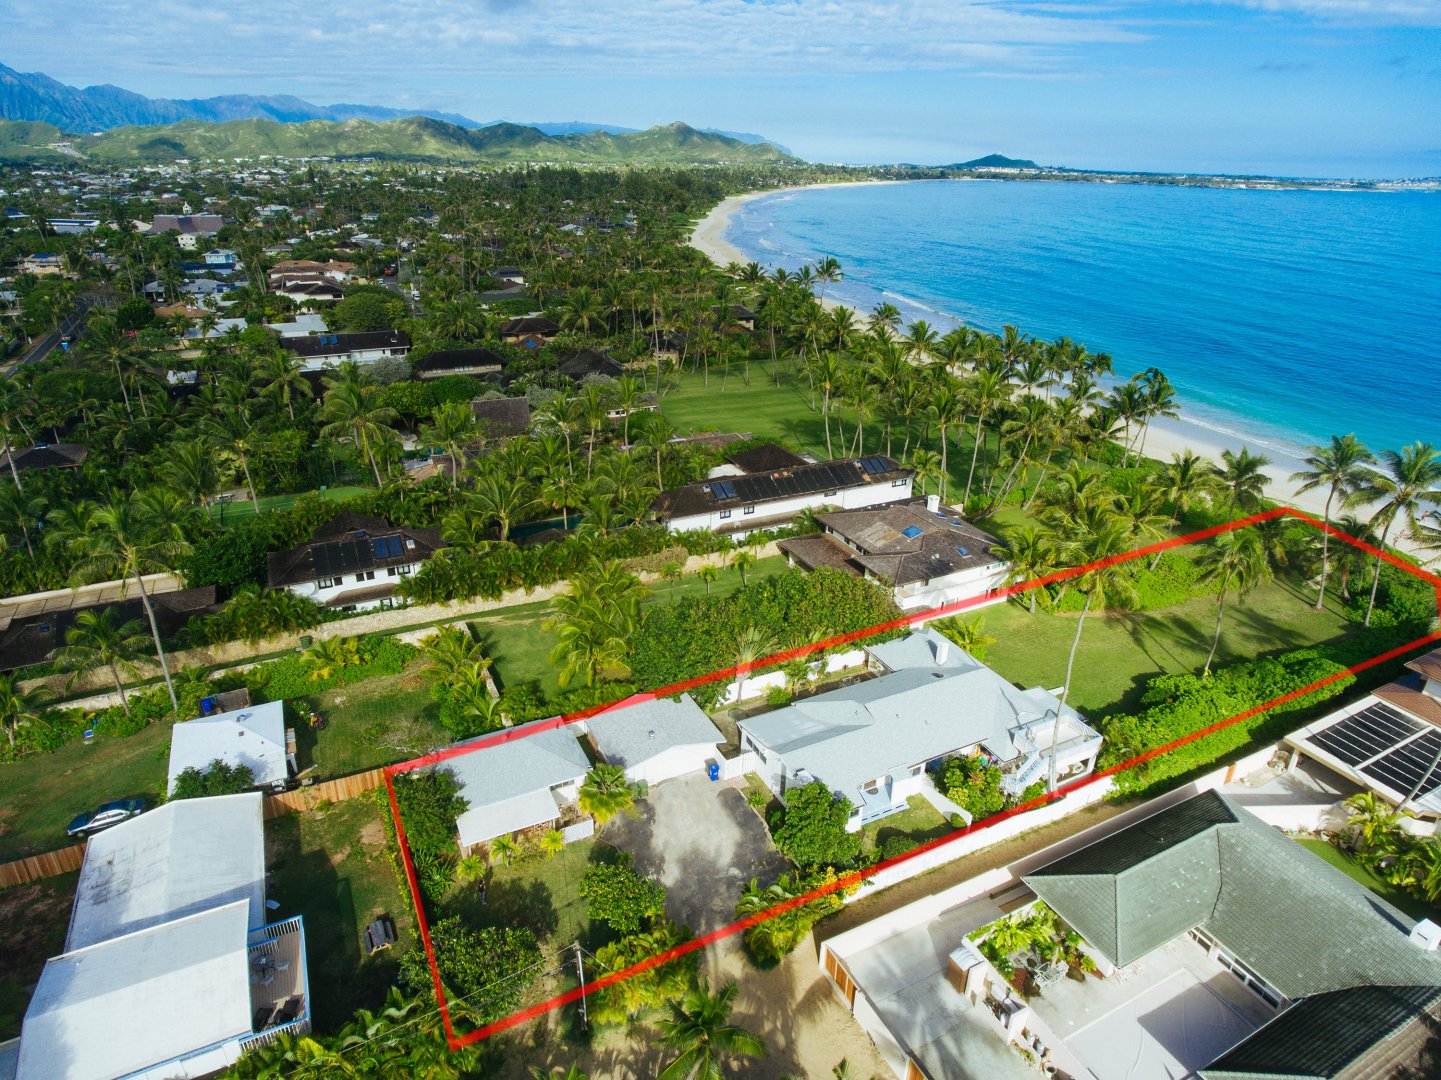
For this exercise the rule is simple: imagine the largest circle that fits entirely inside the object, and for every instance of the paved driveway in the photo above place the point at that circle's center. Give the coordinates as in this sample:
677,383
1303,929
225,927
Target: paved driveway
703,843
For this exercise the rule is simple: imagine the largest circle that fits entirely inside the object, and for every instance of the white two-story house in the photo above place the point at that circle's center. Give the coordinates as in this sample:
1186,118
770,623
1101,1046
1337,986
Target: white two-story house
353,562
737,502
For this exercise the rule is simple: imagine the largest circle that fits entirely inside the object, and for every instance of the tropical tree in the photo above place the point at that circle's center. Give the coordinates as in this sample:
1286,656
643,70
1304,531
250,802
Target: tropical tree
966,634
128,537
743,560
453,427
1408,482
352,415
698,1026
100,640
752,644
233,430
18,707
1233,560
503,849
1184,481
189,468
1242,479
707,574
605,793
1341,469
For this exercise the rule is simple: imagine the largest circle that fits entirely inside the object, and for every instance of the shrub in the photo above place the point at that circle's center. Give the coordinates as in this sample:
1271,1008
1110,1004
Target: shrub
615,894
429,802
489,968
777,696
898,844
811,829
291,677
218,778
973,784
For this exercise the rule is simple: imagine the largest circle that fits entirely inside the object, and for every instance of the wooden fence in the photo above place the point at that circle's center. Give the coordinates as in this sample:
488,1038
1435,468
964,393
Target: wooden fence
307,798
36,867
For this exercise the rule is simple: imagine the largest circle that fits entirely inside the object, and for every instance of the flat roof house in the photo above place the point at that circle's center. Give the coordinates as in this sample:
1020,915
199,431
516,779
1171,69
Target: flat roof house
353,561
169,968
872,741
519,783
754,501
253,736
926,553
1387,742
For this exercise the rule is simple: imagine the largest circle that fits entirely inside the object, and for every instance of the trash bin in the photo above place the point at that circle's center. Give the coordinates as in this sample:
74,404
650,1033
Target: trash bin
713,771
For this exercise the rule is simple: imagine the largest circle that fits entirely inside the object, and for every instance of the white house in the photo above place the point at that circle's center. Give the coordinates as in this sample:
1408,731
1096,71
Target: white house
516,784
253,736
655,740
872,741
353,561
925,553
328,350
754,501
300,326
169,969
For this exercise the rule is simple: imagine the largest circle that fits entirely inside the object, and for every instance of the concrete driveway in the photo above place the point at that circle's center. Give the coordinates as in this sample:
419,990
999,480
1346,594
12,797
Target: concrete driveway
703,843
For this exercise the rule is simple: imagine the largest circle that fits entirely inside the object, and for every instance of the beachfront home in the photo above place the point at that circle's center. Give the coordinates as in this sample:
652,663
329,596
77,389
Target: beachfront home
1389,742
872,742
526,781
1222,949
924,552
253,736
738,501
353,561
169,967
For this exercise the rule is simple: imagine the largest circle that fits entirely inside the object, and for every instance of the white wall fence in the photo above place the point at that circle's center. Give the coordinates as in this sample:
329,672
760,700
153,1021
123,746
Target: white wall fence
760,684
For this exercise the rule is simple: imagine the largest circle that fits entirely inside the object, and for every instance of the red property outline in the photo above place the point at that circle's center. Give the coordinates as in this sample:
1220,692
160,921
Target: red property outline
856,877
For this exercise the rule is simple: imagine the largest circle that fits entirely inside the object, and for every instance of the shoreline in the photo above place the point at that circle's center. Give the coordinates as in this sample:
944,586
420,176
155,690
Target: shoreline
1165,437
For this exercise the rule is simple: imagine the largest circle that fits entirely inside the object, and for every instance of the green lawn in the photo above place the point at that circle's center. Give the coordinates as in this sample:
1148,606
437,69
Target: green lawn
538,892
240,509
920,821
39,794
1398,898
330,867
1118,652
34,919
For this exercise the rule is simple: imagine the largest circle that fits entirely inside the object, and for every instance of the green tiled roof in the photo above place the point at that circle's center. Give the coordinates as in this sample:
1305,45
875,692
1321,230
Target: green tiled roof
1366,1033
1299,923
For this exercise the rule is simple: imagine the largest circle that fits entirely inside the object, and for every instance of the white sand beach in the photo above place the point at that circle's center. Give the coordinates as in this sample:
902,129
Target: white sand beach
1165,437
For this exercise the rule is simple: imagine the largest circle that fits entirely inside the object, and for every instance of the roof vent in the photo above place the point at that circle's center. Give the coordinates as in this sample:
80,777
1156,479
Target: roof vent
651,733
1426,935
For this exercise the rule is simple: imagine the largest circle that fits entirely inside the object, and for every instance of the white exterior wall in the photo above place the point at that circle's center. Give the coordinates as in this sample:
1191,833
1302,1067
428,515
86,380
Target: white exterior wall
311,590
360,356
759,684
851,498
921,595
205,1063
677,761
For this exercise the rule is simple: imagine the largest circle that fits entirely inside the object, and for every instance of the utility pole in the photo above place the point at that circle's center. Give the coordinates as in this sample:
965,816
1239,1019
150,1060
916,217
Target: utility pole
580,974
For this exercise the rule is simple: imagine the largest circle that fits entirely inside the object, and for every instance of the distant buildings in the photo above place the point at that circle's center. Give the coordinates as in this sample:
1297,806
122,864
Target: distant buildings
328,350
169,967
352,562
190,228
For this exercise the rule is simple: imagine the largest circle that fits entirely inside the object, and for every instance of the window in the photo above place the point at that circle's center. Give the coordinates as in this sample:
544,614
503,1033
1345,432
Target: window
830,494
386,604
365,575
750,510
392,571
406,569
329,583
871,787
899,483
916,770
725,514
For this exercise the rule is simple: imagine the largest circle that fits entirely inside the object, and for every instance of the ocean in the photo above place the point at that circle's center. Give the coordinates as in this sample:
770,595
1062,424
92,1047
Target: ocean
1281,317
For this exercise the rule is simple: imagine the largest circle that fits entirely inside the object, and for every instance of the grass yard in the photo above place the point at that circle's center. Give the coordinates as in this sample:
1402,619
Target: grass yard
1396,897
40,793
538,892
240,509
920,822
330,867
762,408
1119,651
33,922
369,724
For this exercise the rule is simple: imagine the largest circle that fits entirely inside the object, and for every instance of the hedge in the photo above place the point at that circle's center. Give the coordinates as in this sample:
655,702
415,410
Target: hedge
291,677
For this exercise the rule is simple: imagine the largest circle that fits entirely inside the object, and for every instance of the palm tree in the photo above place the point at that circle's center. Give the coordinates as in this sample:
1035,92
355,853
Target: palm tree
552,842
503,849
707,574
127,537
18,512
1341,469
97,640
988,391
1092,541
926,464
1187,478
742,560
753,644
1233,560
283,374
1409,481
1373,817
19,708
233,430
189,468
968,635
605,793
451,426
698,1026
1242,479
353,416
1031,553
501,500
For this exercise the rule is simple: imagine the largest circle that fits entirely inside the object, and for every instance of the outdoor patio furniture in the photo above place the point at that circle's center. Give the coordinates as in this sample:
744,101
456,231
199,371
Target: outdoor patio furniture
380,934
288,1011
261,1019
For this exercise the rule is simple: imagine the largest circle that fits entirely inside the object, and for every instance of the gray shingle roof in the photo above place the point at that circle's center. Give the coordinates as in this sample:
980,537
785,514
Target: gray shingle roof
1302,925
638,732
531,760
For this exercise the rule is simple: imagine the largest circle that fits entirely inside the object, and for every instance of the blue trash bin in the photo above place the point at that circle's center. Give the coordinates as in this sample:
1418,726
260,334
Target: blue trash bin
713,770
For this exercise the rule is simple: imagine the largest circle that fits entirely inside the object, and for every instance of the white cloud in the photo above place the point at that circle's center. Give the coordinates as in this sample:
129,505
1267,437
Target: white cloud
1366,12
597,38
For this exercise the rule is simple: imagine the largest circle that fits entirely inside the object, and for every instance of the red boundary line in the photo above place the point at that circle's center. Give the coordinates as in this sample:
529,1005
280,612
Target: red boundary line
856,877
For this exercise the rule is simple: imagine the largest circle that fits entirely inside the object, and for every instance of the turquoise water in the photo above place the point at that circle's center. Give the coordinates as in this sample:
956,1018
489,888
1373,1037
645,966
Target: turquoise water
1281,316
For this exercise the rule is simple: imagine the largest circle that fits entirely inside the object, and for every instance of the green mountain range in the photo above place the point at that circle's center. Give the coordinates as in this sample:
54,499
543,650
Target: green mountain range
414,138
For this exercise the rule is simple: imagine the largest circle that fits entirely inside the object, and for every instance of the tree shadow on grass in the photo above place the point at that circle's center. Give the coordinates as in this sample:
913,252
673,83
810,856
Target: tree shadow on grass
526,904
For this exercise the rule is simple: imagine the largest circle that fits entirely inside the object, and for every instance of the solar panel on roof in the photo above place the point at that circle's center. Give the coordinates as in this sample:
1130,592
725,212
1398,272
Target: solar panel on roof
1407,766
1372,731
873,465
723,489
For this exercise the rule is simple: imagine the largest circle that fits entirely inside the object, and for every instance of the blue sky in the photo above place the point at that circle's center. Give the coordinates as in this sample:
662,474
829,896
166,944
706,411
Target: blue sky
1294,87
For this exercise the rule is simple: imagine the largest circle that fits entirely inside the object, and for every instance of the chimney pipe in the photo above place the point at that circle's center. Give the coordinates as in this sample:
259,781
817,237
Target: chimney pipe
933,503
943,648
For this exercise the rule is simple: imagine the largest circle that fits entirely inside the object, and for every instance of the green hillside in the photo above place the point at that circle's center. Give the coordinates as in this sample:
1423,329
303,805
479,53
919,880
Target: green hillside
415,138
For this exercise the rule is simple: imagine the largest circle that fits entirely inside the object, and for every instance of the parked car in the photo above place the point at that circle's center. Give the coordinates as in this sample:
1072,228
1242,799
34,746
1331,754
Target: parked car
102,817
